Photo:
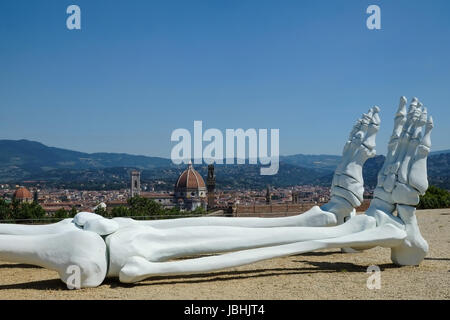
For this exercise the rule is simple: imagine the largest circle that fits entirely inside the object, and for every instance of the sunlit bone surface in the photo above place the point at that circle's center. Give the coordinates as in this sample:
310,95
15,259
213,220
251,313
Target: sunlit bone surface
141,249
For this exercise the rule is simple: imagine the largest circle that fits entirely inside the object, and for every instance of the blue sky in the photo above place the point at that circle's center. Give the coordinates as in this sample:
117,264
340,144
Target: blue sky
137,70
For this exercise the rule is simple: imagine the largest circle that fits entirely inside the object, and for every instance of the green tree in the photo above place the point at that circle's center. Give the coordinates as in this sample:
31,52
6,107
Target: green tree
120,211
15,209
37,211
101,211
5,210
73,212
61,214
434,198
26,211
140,207
172,211
199,210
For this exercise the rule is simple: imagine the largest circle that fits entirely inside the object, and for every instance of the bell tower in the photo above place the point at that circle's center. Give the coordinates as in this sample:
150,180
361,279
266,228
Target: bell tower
268,195
135,183
211,185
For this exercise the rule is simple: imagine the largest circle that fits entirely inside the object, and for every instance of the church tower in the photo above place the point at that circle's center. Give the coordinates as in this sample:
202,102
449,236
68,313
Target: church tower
268,195
135,183
35,196
211,185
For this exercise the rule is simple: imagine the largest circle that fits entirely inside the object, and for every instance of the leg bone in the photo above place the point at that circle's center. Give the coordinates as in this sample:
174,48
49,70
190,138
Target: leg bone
138,268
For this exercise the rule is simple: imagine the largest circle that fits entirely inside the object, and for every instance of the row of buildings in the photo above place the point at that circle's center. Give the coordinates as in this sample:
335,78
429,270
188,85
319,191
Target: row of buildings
190,193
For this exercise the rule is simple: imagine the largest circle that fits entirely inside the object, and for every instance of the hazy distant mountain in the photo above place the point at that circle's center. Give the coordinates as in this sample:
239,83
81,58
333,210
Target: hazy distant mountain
321,161
28,160
34,155
439,170
440,151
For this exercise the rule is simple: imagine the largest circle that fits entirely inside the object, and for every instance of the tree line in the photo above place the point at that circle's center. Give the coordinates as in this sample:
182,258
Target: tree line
434,198
137,207
140,207
17,212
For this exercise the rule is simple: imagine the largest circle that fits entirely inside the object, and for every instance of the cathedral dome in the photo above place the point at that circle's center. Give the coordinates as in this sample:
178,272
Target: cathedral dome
190,190
190,179
22,194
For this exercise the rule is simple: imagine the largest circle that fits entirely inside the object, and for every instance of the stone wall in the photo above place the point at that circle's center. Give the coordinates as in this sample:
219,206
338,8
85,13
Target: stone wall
273,210
281,210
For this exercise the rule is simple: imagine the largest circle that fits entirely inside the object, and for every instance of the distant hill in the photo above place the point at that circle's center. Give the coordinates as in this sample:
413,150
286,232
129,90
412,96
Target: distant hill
20,159
440,151
439,170
25,153
24,160
321,161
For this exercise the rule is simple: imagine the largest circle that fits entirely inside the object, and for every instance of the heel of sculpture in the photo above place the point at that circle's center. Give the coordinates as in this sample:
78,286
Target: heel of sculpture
410,254
415,248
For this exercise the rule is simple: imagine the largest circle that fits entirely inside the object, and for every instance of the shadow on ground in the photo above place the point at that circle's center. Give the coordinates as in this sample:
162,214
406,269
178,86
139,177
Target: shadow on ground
317,267
18,266
314,267
344,266
438,259
53,284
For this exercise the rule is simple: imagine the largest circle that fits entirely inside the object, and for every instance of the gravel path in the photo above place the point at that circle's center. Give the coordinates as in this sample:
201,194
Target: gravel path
325,274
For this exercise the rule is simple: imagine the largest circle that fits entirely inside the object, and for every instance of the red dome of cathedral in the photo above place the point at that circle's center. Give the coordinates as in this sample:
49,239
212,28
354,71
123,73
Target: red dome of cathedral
190,190
22,194
190,179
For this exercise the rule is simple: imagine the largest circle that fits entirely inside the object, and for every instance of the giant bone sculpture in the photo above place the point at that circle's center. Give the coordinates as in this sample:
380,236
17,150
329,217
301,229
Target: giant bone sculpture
135,250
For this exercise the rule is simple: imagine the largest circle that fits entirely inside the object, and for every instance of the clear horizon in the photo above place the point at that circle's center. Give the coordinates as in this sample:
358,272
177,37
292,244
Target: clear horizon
137,70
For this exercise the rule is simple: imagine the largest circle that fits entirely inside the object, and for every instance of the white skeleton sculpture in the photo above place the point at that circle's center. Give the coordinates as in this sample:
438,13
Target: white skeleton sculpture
135,250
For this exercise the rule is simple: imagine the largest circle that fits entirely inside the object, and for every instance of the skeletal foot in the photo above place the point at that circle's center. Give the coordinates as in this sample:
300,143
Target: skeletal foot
403,178
348,185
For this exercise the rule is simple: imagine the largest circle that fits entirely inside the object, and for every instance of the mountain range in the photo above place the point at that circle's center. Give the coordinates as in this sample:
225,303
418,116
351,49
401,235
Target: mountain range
24,160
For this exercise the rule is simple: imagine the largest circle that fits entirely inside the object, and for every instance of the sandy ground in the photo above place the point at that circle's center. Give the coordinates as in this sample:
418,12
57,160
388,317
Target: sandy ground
326,274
